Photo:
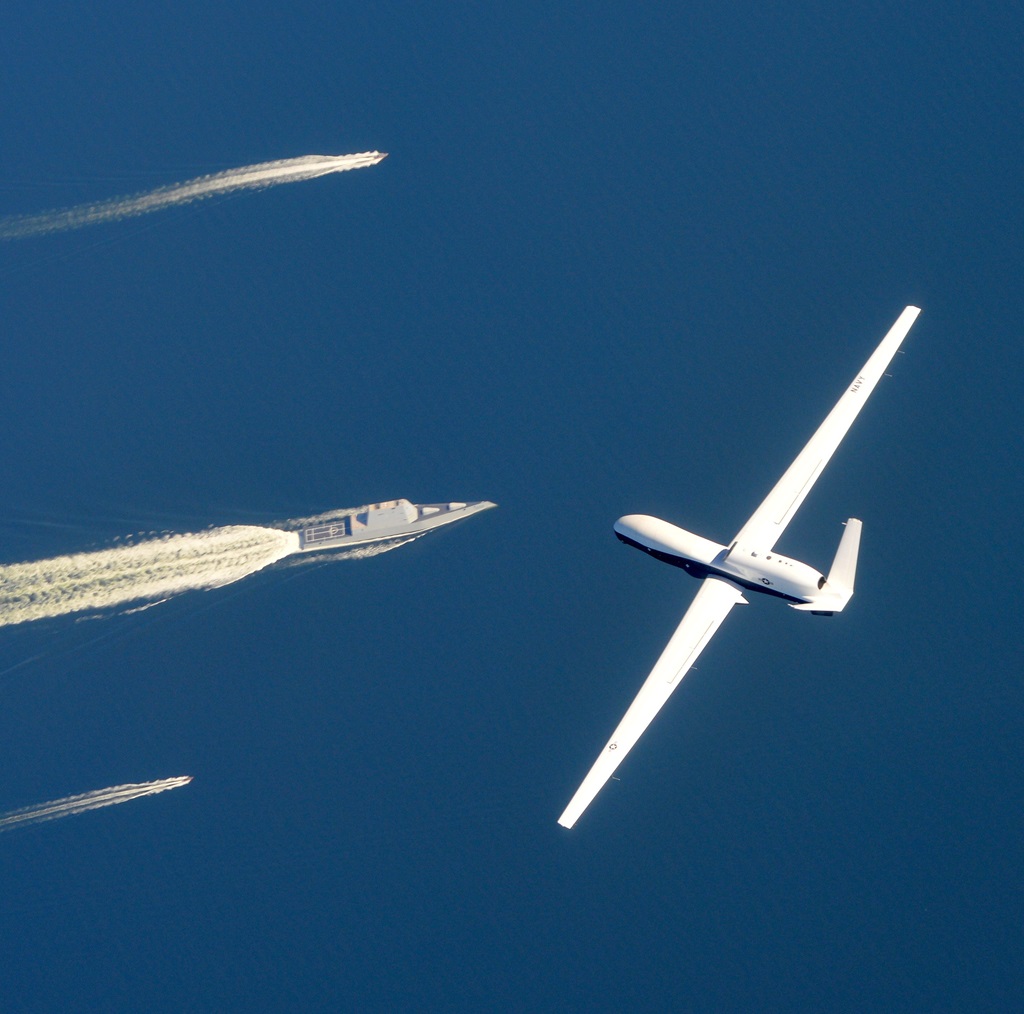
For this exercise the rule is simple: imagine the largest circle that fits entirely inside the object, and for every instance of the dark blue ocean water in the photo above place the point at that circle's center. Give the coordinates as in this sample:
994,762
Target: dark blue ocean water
621,259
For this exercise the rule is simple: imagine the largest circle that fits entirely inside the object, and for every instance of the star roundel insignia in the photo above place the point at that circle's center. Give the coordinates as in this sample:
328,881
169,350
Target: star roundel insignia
613,746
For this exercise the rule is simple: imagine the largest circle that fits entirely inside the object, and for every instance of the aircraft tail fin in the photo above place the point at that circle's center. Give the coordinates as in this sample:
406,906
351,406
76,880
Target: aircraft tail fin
844,566
837,588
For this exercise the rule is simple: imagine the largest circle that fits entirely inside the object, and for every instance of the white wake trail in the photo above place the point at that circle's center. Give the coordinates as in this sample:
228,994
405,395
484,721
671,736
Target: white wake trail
94,800
250,177
356,553
109,579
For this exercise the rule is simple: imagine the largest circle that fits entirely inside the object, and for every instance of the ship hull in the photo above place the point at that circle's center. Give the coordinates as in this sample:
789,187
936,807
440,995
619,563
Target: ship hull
389,521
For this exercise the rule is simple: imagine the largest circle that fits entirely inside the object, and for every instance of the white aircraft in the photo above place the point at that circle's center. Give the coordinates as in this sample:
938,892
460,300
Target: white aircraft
748,563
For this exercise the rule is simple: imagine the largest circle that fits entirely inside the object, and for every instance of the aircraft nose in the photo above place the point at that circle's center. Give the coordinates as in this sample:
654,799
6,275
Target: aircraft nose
630,524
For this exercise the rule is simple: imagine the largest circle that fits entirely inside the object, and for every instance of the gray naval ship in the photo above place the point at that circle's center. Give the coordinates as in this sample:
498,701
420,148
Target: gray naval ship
384,522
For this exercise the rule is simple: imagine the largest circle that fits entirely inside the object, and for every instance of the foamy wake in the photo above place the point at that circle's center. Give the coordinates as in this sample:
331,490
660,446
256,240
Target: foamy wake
357,553
157,569
94,800
250,177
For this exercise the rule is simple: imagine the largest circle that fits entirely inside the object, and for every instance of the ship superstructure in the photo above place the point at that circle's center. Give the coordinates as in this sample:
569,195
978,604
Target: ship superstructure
384,522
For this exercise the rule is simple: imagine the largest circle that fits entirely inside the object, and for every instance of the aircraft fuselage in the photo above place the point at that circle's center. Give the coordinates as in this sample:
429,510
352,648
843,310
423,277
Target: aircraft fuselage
768,573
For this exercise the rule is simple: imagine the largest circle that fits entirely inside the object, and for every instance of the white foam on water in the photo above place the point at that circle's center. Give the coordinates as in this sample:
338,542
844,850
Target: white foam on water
249,177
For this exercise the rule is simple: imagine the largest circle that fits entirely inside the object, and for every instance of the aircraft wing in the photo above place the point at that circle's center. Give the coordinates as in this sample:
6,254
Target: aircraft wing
769,521
711,605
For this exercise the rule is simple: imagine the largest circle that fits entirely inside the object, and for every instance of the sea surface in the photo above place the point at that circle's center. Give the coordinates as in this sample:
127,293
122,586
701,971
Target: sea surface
619,259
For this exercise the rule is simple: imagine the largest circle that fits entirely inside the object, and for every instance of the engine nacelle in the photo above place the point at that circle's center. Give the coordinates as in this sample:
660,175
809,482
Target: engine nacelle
665,541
